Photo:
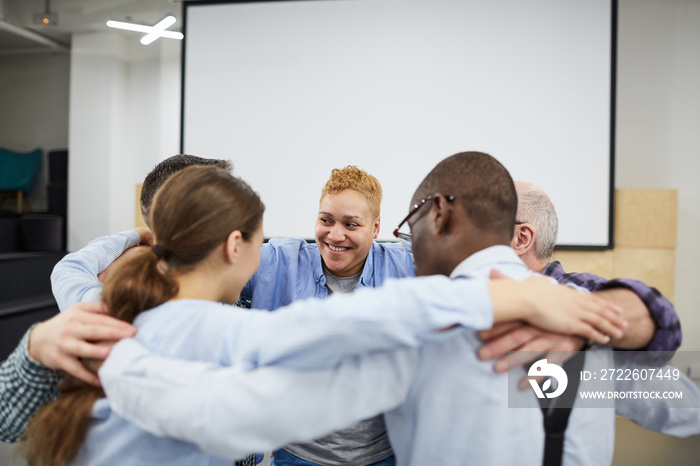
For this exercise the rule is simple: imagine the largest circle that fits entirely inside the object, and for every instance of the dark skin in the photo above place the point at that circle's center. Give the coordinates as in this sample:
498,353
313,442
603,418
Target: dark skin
458,237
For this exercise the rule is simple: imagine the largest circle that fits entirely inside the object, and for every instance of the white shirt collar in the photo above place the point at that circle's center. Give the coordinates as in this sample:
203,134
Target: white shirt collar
480,264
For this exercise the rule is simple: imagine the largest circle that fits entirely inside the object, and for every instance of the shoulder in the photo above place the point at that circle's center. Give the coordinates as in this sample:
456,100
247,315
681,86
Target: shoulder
286,246
184,320
588,281
394,257
182,310
392,251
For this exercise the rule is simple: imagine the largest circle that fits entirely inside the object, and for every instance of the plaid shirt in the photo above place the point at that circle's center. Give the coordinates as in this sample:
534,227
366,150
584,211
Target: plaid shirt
25,385
668,335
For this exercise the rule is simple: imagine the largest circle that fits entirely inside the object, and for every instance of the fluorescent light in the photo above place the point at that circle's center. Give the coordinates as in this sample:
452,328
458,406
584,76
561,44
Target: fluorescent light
158,29
129,26
152,32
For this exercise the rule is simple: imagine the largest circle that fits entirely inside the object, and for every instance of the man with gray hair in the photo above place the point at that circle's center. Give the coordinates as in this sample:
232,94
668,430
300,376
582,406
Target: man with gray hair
535,209
534,237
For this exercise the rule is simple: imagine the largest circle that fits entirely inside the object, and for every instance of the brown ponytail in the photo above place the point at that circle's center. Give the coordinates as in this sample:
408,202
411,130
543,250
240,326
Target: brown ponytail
57,431
193,213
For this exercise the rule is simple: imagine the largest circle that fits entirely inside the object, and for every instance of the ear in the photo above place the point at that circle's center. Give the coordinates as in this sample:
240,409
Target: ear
232,246
375,229
442,213
523,238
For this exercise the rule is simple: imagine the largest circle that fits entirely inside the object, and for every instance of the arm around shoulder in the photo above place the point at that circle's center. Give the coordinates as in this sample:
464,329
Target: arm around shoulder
75,277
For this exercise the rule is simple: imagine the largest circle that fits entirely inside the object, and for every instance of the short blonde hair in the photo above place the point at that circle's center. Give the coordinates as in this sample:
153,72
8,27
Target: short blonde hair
352,177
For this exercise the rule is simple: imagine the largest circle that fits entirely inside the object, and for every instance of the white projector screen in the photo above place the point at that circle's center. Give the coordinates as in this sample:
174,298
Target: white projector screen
290,90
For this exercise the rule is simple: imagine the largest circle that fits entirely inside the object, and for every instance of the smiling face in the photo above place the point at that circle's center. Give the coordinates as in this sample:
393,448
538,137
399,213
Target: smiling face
345,229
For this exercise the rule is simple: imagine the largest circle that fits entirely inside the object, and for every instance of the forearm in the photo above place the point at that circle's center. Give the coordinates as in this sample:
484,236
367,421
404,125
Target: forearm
24,386
679,417
641,327
229,412
667,337
74,278
402,313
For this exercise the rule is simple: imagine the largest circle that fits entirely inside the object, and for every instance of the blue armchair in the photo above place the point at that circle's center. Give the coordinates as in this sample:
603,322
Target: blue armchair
18,173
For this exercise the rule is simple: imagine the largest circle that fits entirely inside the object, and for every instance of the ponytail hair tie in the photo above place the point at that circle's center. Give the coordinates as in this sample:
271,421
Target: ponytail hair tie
159,251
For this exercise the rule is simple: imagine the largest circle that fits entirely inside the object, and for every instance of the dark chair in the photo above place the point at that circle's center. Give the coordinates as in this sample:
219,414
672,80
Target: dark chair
18,173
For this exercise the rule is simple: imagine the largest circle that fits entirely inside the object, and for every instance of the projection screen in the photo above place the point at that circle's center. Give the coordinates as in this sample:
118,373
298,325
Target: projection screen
289,90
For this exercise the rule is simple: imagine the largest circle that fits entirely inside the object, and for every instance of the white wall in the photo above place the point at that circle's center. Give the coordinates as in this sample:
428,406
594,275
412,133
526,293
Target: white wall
124,118
34,104
658,126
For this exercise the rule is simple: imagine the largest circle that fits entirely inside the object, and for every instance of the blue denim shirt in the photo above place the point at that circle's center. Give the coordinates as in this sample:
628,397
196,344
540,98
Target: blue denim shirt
291,269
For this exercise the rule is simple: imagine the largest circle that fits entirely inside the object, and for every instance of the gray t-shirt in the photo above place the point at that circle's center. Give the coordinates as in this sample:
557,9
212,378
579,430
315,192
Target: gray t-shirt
336,284
363,443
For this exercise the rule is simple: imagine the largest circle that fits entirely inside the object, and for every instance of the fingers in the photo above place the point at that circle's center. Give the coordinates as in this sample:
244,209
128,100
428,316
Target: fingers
58,342
510,341
602,322
103,330
75,368
146,235
513,360
84,349
89,323
498,330
524,384
592,334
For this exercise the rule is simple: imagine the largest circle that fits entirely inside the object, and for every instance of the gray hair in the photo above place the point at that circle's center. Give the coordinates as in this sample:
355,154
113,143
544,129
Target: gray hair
535,208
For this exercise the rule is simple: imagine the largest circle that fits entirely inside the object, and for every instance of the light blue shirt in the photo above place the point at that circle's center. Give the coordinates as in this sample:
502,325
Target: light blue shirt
291,269
399,315
74,278
456,411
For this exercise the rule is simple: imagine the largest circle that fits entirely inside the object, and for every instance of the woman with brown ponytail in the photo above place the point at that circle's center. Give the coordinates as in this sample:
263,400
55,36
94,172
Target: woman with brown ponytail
209,229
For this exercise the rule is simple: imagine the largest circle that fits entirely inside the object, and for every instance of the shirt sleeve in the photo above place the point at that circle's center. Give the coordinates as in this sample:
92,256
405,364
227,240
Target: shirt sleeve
24,386
74,278
229,412
313,334
668,336
675,416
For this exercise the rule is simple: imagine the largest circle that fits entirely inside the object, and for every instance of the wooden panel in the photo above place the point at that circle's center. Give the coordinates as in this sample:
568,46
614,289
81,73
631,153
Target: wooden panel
655,267
596,262
138,222
646,218
640,447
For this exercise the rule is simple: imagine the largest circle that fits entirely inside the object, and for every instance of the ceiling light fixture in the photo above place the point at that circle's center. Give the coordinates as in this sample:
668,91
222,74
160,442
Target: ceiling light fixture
152,32
46,18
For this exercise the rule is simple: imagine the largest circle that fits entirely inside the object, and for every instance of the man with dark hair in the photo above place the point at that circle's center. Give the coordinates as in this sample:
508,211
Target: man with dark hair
165,169
462,226
483,188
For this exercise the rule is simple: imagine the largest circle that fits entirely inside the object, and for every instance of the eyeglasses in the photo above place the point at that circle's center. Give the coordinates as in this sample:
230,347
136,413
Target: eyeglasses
405,238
